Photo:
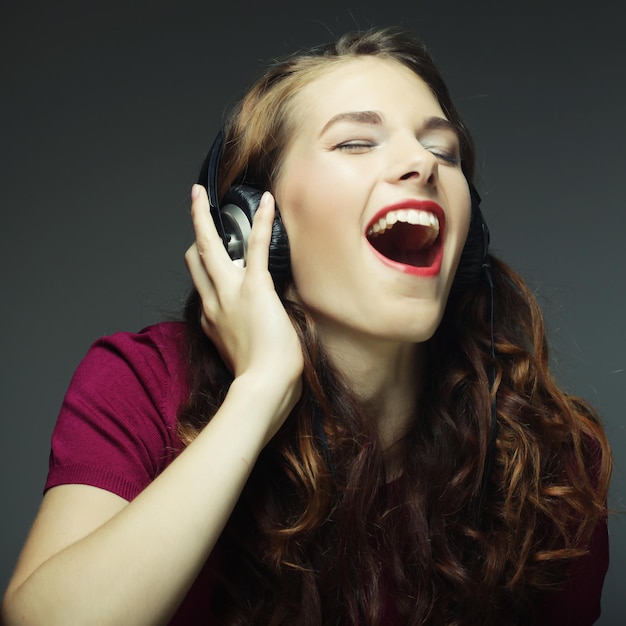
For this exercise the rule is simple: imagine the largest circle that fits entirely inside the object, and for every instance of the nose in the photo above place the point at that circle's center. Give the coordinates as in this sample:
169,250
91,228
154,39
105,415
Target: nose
415,164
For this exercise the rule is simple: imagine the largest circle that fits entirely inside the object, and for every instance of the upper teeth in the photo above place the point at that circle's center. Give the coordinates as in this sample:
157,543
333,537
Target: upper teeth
408,216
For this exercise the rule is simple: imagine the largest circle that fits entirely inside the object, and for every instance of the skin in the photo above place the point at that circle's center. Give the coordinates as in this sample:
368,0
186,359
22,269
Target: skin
93,558
335,177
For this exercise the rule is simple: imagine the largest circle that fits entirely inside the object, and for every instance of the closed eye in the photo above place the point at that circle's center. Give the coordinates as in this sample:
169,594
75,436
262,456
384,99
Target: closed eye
355,146
445,156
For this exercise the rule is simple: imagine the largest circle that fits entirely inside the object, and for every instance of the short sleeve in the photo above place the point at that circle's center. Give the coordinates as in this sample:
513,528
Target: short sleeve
117,426
578,602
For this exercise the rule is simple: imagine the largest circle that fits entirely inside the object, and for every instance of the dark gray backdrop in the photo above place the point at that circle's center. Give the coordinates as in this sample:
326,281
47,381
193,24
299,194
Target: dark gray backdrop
108,109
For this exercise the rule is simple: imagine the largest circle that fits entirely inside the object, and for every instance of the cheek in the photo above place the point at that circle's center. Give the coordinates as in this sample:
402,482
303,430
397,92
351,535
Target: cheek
465,224
314,209
462,213
307,199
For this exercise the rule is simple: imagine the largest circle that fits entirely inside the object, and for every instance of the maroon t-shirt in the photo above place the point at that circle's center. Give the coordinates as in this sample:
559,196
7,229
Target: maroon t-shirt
117,431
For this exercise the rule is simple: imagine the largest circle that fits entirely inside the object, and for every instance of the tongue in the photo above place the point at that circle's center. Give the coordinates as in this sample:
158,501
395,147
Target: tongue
407,243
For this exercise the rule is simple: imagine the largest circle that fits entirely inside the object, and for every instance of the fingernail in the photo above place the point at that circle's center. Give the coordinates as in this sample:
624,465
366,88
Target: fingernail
195,191
265,198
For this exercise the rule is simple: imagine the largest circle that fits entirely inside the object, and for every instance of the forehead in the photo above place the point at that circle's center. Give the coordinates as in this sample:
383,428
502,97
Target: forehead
365,84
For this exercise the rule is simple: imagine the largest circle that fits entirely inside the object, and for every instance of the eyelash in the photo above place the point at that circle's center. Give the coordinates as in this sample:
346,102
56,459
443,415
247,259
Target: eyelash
354,146
450,159
445,157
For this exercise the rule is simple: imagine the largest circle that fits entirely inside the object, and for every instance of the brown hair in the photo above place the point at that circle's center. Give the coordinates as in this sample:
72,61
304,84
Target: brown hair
317,537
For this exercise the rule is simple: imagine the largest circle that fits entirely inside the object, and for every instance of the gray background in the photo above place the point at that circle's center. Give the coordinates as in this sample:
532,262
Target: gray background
108,109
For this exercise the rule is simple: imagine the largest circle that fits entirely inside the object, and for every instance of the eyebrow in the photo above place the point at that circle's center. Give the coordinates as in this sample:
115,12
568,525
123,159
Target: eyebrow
360,117
375,118
437,123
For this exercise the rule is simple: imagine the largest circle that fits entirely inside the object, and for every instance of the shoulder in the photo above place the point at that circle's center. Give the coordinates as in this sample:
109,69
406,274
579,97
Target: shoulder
578,602
154,356
117,428
163,342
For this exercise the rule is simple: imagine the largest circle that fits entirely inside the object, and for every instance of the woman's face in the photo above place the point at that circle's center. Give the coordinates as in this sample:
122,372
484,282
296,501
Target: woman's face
374,202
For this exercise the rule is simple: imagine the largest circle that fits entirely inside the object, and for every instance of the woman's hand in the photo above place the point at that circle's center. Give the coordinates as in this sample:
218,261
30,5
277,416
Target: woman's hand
92,557
241,311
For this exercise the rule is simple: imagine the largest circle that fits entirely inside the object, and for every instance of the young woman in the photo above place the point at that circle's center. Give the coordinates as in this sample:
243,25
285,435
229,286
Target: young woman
365,433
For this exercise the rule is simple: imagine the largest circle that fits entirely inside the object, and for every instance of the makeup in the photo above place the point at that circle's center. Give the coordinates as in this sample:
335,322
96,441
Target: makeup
408,236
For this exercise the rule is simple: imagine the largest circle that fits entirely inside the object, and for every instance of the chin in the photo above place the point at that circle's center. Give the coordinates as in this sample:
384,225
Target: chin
417,336
410,331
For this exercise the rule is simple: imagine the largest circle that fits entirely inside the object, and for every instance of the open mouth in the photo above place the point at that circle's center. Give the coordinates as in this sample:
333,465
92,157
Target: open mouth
407,236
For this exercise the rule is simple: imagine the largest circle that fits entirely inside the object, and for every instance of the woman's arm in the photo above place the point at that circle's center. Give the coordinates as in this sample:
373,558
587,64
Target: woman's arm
93,558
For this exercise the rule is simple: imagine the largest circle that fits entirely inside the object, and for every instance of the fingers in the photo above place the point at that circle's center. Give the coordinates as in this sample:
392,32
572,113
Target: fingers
261,235
201,279
205,257
233,297
208,262
209,244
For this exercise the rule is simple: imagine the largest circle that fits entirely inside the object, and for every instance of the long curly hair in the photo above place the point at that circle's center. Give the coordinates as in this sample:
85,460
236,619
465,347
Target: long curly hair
317,536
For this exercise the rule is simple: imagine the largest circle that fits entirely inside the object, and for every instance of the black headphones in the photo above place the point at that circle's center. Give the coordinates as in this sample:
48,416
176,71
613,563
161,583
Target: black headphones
233,216
473,259
234,212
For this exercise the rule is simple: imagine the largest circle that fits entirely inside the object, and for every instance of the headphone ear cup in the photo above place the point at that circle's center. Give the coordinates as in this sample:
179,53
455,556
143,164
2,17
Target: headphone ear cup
474,254
246,199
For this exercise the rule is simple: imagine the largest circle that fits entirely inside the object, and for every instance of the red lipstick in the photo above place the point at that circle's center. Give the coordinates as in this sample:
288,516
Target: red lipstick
400,247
